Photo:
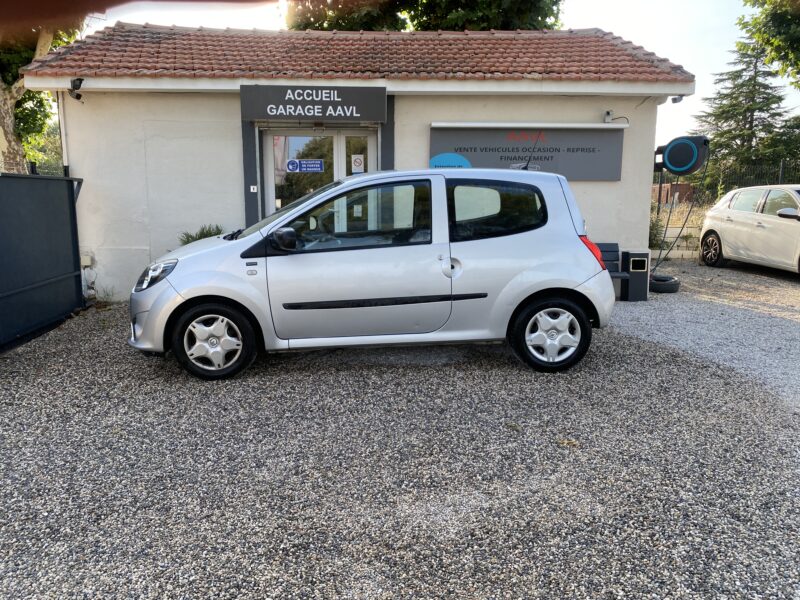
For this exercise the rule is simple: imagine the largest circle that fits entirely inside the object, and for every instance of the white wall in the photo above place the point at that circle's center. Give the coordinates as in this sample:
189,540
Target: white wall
617,211
154,165
157,164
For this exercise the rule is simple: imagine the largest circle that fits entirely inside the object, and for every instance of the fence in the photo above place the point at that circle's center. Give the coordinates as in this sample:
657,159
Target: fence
721,178
41,282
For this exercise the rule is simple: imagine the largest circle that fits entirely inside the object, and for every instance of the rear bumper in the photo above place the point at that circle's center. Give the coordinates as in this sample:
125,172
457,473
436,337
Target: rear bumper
149,312
600,291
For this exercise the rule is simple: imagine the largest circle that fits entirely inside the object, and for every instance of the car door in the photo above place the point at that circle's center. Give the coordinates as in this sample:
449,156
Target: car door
495,235
739,224
776,239
374,260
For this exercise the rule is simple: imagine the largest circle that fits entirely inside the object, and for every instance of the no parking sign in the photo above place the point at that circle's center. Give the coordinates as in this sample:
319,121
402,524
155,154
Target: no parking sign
357,163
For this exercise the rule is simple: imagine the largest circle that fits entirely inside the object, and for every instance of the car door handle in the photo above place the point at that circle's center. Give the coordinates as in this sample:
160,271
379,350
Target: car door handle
760,224
728,219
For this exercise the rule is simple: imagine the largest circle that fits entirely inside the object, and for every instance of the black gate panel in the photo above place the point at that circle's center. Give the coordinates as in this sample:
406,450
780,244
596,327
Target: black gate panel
41,277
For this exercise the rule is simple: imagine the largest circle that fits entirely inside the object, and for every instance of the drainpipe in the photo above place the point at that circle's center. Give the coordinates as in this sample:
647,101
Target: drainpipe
63,129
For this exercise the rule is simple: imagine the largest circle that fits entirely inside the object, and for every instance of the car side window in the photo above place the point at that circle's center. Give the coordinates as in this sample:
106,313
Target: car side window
393,214
480,209
776,200
747,200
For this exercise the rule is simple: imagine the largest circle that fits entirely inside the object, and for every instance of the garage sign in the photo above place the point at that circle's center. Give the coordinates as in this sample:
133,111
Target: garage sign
313,103
578,154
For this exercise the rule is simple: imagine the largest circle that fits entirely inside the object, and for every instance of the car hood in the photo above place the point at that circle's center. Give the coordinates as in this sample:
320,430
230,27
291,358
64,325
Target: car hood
197,247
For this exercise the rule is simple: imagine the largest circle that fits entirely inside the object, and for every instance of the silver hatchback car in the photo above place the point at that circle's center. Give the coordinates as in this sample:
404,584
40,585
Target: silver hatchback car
417,257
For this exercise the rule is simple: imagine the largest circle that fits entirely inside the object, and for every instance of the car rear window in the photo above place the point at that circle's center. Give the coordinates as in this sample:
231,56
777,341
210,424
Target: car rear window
480,209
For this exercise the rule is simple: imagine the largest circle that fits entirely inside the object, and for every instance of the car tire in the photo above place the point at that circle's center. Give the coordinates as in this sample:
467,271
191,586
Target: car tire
550,334
214,341
711,251
664,284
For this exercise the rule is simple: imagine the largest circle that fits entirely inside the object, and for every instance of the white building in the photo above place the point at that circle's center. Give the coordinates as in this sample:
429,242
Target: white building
176,128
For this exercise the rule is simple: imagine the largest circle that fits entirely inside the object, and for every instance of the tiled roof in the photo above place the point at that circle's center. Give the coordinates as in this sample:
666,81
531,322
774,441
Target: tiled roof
126,50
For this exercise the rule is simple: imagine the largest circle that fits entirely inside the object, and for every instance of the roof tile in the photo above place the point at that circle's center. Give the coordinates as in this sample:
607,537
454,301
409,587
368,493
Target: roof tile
126,50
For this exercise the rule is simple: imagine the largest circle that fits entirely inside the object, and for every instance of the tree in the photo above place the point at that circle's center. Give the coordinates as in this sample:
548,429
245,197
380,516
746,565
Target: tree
346,15
784,143
776,28
482,15
746,108
23,112
422,15
44,149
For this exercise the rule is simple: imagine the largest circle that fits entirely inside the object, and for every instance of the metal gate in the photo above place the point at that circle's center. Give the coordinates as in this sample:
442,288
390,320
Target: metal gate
40,281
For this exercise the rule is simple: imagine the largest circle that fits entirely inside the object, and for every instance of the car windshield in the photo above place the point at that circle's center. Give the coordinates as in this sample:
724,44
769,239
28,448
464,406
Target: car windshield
284,209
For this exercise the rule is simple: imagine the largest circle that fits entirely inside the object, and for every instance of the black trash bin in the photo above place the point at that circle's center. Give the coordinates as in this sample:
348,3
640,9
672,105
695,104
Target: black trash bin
637,266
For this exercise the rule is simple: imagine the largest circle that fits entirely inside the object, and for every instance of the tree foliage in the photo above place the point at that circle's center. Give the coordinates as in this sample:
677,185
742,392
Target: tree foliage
44,149
346,15
776,28
482,15
31,110
746,108
751,138
422,15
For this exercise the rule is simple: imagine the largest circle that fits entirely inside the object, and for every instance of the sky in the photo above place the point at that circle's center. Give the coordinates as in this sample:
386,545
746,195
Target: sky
697,34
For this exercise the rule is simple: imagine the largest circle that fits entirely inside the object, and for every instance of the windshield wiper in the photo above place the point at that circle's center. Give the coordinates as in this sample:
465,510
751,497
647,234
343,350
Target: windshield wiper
232,235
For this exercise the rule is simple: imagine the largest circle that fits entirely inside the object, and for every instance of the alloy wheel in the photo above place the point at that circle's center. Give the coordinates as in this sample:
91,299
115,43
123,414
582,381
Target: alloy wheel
710,249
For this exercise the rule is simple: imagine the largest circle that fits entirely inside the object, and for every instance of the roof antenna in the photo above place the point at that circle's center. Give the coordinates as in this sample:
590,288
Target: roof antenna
528,164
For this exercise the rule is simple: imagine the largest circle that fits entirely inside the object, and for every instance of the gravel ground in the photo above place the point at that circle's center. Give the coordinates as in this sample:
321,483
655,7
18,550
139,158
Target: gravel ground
646,471
744,317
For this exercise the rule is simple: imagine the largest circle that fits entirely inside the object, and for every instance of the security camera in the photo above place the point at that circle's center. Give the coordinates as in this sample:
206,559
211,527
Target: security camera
76,83
74,94
677,99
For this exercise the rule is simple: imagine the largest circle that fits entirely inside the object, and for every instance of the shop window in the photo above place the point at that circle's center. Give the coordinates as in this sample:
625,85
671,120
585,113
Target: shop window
482,209
369,217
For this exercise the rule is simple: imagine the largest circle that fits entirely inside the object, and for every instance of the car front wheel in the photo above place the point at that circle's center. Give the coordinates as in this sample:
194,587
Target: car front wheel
551,334
214,341
711,251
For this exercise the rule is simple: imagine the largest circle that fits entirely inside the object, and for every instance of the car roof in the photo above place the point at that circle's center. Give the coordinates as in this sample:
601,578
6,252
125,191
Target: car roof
776,186
507,174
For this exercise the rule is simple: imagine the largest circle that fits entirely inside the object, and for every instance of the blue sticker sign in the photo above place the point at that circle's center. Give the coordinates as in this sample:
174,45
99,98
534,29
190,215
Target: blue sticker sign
449,160
305,165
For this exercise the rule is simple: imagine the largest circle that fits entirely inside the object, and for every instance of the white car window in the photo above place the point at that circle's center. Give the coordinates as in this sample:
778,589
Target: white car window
776,200
747,200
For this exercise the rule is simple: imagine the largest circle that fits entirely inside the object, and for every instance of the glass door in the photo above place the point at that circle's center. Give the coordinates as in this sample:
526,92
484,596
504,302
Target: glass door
301,162
297,161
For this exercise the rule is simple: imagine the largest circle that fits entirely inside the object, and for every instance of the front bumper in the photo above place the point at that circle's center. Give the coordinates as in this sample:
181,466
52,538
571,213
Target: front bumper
600,290
149,312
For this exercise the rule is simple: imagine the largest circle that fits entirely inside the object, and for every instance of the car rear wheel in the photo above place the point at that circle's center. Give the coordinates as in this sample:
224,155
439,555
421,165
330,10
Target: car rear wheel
214,341
551,334
711,251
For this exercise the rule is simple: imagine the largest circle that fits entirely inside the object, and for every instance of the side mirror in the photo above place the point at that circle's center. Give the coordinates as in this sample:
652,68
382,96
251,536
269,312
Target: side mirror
285,238
789,213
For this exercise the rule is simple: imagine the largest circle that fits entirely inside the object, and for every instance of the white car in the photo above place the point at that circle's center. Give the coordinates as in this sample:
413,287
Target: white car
419,257
757,225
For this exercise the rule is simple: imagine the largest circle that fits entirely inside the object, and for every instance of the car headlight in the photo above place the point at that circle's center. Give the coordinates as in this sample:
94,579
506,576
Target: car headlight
154,273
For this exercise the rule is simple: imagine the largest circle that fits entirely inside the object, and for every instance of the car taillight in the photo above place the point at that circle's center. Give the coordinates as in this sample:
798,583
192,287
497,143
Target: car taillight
593,249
